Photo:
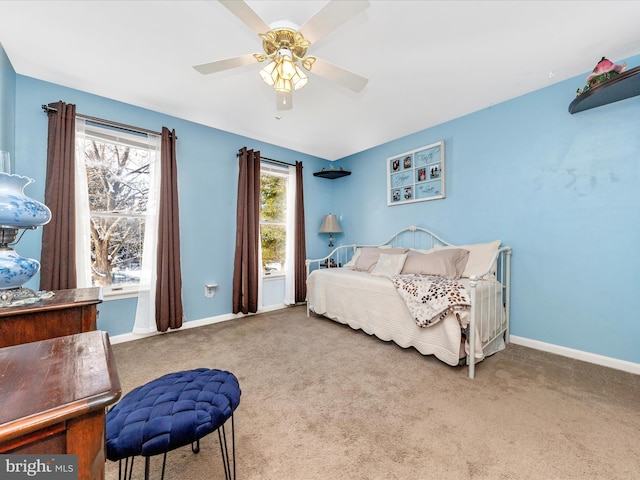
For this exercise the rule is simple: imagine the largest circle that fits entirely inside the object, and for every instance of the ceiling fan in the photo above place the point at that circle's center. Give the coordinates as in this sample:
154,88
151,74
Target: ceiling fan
285,48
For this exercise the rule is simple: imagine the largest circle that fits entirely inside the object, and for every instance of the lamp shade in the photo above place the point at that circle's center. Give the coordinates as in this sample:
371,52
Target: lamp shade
16,209
285,67
299,79
282,85
266,73
330,225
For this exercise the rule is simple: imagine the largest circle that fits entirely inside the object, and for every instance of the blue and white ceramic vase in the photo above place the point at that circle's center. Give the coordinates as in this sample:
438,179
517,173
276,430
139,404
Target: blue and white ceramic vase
16,209
15,270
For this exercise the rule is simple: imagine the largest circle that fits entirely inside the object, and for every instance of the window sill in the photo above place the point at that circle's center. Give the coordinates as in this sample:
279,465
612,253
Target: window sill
274,276
122,292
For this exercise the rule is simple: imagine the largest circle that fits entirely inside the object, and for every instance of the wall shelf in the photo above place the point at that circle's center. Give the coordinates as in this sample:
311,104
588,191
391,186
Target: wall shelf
625,85
331,174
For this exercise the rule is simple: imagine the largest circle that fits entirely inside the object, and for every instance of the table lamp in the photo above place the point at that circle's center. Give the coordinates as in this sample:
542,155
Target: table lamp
330,225
17,212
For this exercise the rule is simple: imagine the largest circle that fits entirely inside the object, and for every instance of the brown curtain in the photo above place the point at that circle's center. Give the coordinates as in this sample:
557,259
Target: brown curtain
246,270
300,249
58,255
169,310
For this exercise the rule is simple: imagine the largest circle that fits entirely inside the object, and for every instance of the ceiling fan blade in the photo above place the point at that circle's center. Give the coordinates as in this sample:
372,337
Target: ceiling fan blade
220,65
246,15
330,17
332,72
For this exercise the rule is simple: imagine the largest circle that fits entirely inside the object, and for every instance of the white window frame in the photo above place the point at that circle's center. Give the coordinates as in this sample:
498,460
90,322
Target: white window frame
83,241
267,168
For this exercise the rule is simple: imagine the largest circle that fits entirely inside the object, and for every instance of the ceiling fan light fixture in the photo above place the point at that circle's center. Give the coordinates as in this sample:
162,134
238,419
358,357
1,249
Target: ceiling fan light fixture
267,73
283,74
283,85
285,66
307,62
299,79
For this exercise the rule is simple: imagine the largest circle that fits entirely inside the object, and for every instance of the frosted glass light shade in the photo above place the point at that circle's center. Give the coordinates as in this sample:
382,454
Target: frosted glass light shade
266,73
286,68
299,79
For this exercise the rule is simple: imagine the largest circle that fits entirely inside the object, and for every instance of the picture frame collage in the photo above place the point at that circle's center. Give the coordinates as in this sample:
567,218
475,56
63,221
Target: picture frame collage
417,175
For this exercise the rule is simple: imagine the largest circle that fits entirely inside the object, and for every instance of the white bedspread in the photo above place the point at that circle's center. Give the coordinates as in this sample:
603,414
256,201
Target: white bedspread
372,304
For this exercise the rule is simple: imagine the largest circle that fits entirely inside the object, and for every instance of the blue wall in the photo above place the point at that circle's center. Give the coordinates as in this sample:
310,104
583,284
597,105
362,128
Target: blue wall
7,102
561,189
207,183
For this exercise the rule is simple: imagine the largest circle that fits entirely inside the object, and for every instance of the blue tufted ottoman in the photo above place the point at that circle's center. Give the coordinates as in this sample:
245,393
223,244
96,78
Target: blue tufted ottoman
172,411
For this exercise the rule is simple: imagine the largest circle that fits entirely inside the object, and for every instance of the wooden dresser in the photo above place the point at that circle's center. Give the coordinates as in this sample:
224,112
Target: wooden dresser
54,394
66,313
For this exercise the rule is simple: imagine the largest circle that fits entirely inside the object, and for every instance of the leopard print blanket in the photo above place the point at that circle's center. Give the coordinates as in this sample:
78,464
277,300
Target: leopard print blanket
430,298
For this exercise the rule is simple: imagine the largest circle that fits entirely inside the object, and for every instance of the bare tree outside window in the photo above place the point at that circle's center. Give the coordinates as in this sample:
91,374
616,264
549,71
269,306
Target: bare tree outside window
118,186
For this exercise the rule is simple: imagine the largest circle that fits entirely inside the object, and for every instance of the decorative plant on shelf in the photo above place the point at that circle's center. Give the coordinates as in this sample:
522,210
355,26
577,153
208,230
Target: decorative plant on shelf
603,71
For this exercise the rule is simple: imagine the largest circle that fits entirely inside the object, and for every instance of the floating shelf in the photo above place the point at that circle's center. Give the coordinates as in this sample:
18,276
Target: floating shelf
332,174
625,85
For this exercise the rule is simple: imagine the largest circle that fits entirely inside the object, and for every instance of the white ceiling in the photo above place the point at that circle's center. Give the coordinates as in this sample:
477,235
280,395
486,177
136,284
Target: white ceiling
427,61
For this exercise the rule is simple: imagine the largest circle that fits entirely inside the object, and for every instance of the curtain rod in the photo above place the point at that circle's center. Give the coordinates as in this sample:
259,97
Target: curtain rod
277,162
109,123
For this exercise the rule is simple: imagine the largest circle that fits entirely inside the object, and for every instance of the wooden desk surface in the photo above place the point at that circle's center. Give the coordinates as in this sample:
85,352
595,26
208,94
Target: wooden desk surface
61,299
66,313
48,382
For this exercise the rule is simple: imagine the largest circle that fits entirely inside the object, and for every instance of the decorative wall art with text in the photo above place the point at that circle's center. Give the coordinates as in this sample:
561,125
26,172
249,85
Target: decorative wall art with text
417,175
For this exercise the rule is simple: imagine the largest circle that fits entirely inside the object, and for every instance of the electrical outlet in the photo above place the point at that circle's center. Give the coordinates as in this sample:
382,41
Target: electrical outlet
210,290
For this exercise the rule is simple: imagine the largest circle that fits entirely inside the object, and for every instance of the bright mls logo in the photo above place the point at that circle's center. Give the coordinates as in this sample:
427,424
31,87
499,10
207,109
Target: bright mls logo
51,467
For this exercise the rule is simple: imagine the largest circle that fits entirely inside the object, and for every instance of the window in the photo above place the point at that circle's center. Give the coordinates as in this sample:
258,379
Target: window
274,186
115,195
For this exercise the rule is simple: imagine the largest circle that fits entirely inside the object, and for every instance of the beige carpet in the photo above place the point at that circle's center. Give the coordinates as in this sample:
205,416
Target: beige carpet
322,401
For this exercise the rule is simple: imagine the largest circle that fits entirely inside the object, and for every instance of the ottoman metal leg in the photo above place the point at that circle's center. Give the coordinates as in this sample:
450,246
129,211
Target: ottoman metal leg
127,466
225,451
229,464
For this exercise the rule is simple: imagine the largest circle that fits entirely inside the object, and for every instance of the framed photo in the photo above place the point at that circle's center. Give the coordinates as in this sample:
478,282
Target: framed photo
416,176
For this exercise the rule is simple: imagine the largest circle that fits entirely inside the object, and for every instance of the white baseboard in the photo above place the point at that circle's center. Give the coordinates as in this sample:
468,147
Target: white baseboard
128,337
578,354
525,342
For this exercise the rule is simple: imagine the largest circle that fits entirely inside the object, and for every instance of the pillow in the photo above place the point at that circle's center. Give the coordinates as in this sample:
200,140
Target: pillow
369,257
448,263
480,256
421,250
351,263
389,264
